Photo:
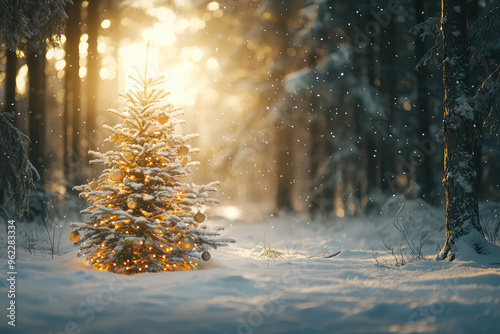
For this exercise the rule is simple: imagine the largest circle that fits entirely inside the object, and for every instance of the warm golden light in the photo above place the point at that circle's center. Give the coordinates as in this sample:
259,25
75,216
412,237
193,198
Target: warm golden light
212,63
21,79
50,54
105,24
162,34
213,6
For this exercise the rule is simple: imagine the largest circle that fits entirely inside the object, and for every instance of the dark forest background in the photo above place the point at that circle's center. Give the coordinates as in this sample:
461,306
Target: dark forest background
325,107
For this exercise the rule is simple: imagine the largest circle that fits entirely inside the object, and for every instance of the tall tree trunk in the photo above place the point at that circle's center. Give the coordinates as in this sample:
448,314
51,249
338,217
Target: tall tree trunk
10,81
424,173
36,107
72,94
388,84
92,71
316,148
460,135
284,138
328,191
285,170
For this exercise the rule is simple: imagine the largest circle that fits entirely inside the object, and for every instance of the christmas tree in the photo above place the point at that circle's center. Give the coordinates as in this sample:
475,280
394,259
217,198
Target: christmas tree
144,217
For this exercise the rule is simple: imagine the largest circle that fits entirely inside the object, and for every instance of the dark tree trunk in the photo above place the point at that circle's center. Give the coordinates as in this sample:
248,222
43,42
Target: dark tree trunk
36,108
72,108
388,84
371,145
92,71
424,175
460,135
10,81
328,193
315,155
285,170
284,137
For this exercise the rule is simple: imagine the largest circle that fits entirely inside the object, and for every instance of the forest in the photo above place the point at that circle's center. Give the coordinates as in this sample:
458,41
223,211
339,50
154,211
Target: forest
373,121
332,106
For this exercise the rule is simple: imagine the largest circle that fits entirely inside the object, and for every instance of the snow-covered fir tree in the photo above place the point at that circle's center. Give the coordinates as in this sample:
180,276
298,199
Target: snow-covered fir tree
27,22
144,216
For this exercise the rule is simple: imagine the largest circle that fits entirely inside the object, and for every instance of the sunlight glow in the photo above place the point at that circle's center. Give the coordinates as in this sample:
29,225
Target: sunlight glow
106,24
181,25
60,65
104,73
101,47
180,78
212,63
162,34
213,6
134,55
21,79
230,212
163,14
59,53
50,54
82,72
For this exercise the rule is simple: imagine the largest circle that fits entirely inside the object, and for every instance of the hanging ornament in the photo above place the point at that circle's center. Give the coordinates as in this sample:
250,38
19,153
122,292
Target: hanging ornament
170,142
205,256
183,150
127,180
199,217
74,236
114,138
186,243
130,156
163,119
116,174
93,185
184,161
131,203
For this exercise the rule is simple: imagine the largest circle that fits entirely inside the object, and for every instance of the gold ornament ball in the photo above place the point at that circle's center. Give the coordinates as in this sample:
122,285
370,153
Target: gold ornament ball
186,244
114,138
116,174
130,156
171,142
93,185
74,236
199,217
184,161
205,256
183,150
131,203
163,119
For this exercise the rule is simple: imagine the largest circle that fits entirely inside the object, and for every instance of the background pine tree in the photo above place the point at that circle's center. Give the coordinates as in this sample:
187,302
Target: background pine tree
144,217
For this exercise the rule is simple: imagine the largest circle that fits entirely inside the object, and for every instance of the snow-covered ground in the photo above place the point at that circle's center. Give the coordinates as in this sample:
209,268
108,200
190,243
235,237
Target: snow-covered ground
238,292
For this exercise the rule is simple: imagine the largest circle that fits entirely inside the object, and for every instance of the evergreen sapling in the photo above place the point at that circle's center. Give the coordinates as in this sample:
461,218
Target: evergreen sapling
144,216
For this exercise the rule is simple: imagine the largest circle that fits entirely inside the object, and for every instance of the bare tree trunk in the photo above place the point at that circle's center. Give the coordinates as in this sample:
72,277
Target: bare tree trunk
10,81
388,84
36,108
460,135
92,71
72,94
315,156
285,170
